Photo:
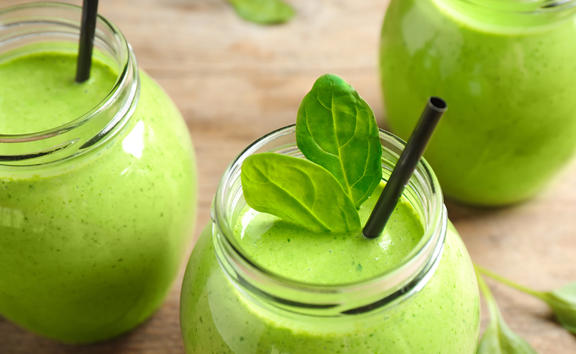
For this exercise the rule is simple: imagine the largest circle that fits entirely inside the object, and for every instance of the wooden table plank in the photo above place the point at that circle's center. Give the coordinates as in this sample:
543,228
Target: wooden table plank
235,81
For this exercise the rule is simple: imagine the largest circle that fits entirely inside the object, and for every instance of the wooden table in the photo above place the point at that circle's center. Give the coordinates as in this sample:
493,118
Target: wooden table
235,81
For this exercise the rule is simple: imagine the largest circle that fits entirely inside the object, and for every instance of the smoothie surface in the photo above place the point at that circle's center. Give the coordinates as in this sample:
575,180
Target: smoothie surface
298,254
39,91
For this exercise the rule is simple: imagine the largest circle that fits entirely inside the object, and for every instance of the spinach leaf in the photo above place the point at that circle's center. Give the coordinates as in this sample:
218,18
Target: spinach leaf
563,302
337,130
498,338
297,191
264,12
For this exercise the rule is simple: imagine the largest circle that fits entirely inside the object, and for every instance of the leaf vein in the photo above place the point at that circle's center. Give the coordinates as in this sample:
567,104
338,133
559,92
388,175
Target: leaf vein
295,199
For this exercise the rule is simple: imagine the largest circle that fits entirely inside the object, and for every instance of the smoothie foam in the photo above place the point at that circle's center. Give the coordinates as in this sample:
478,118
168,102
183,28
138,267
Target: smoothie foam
301,255
39,91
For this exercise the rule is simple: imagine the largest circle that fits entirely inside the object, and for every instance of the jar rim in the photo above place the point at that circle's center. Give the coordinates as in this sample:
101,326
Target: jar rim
407,277
127,67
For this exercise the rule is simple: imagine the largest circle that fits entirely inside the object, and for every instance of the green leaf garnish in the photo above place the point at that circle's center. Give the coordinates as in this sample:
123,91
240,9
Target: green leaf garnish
264,12
337,130
498,338
297,191
561,301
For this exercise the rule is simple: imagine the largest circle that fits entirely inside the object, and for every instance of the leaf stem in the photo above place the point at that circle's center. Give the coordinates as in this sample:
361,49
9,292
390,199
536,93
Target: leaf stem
490,301
538,294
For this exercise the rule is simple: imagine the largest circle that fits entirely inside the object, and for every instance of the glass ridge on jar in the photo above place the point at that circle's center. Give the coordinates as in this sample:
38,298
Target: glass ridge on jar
229,304
95,214
506,69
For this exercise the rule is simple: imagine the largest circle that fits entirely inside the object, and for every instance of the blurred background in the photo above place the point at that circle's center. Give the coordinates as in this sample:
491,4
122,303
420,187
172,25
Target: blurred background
234,81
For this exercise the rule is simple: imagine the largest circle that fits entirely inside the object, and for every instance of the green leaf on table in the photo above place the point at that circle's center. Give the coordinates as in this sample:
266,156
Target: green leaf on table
498,338
298,191
563,303
264,12
337,130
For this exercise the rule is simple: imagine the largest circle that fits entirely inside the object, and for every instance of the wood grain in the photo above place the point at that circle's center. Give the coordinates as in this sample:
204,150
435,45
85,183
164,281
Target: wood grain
235,81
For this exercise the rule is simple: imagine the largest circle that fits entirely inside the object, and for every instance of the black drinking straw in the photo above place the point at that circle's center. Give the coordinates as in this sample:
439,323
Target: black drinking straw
87,30
405,167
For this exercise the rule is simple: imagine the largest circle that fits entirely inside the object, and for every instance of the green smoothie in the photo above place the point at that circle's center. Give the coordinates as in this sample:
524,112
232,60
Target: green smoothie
508,77
41,92
218,317
299,254
89,246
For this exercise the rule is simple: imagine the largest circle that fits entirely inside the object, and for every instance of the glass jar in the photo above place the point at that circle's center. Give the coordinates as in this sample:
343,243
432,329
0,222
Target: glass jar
231,304
95,214
507,69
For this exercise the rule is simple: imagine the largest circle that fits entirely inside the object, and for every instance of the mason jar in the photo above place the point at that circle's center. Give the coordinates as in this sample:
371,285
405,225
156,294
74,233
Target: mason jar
95,213
427,303
507,69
